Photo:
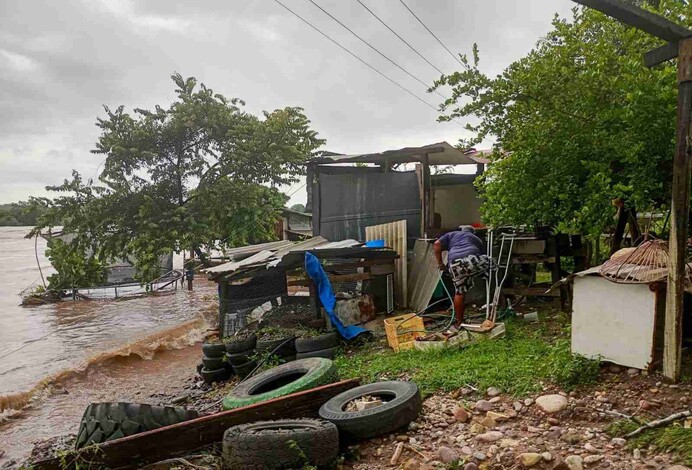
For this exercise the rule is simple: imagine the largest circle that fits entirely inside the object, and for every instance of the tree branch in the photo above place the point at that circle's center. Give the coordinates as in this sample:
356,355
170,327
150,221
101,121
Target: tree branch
660,422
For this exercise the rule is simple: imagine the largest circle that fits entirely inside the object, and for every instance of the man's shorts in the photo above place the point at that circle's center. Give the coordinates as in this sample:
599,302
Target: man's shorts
464,270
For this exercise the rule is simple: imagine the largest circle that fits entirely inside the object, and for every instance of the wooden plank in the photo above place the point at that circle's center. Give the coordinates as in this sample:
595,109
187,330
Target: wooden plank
168,441
528,247
639,18
304,281
395,236
357,264
530,291
532,259
679,212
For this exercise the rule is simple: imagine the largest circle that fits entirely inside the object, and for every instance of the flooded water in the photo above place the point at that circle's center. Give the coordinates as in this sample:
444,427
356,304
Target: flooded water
56,358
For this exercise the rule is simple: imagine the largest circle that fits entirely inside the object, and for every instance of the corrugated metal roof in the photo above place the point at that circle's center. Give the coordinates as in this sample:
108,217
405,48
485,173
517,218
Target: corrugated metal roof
441,153
235,265
236,253
272,257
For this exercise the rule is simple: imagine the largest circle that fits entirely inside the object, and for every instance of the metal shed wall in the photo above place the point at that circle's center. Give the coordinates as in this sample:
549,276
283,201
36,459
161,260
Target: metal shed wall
344,204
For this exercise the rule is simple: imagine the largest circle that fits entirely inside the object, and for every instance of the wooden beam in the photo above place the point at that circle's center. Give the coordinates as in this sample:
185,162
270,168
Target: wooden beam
679,212
639,18
333,278
531,291
178,439
661,54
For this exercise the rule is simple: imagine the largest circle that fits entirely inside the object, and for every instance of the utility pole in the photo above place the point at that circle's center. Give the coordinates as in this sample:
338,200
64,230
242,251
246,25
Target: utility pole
679,44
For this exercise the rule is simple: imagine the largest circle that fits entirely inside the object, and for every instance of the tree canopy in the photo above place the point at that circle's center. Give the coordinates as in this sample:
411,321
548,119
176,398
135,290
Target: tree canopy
200,173
20,213
578,122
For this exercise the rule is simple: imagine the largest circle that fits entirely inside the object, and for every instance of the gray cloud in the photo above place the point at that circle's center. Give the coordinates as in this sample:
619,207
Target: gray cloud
61,61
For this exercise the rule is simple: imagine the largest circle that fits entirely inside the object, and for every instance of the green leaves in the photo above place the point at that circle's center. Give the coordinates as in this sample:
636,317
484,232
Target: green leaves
580,121
201,172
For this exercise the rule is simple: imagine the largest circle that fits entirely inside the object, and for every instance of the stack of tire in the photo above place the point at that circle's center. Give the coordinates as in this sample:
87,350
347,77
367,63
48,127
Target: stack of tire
240,355
325,346
296,443
283,348
214,366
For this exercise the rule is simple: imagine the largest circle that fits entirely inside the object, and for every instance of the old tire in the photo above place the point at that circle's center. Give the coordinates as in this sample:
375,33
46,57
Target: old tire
326,341
287,443
282,380
242,370
240,345
103,422
326,353
213,349
215,375
403,404
211,363
286,347
236,359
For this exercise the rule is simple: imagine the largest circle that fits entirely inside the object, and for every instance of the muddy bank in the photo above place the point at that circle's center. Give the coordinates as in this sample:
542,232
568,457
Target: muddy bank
131,379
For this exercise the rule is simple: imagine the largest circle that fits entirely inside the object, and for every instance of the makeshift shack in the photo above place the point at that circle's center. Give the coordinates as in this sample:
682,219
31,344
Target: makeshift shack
269,280
347,193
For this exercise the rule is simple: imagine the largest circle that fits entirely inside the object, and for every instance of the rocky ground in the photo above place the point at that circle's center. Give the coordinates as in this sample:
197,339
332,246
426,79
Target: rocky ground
471,429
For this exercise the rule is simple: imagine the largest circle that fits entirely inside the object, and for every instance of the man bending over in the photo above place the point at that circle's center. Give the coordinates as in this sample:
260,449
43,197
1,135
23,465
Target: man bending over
466,261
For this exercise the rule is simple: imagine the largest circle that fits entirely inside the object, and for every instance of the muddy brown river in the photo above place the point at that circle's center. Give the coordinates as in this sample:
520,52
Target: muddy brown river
57,358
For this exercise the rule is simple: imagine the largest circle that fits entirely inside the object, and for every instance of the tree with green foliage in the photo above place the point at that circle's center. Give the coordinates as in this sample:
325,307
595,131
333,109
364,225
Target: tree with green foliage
201,174
19,214
578,122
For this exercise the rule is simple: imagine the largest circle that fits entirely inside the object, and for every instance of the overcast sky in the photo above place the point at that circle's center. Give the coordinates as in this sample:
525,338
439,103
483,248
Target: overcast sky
60,61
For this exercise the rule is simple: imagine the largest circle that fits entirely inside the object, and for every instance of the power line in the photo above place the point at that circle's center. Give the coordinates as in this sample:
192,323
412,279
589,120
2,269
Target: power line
402,39
374,48
352,54
433,34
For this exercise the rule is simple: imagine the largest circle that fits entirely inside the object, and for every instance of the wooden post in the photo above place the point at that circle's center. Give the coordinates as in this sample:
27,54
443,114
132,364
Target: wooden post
679,210
427,209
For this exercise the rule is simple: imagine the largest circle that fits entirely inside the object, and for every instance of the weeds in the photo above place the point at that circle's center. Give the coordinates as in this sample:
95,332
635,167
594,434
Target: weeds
518,364
671,439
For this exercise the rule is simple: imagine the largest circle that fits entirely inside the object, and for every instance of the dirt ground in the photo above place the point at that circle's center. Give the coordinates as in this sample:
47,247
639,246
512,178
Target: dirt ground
493,430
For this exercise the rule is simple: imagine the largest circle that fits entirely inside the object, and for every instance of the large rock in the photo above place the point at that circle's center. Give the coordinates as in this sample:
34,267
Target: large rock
460,414
490,436
574,462
447,455
551,403
483,405
498,417
471,466
529,459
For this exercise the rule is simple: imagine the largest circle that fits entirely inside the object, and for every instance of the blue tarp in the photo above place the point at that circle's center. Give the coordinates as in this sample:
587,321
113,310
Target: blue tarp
326,295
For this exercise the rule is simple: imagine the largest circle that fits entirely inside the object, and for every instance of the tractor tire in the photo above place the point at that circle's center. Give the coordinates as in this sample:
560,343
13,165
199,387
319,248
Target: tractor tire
103,422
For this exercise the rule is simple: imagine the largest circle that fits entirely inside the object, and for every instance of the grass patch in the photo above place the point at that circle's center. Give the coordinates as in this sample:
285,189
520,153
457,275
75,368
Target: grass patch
530,354
673,439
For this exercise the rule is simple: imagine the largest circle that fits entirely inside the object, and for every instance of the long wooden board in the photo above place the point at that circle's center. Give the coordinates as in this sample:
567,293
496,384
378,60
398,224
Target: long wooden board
177,439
